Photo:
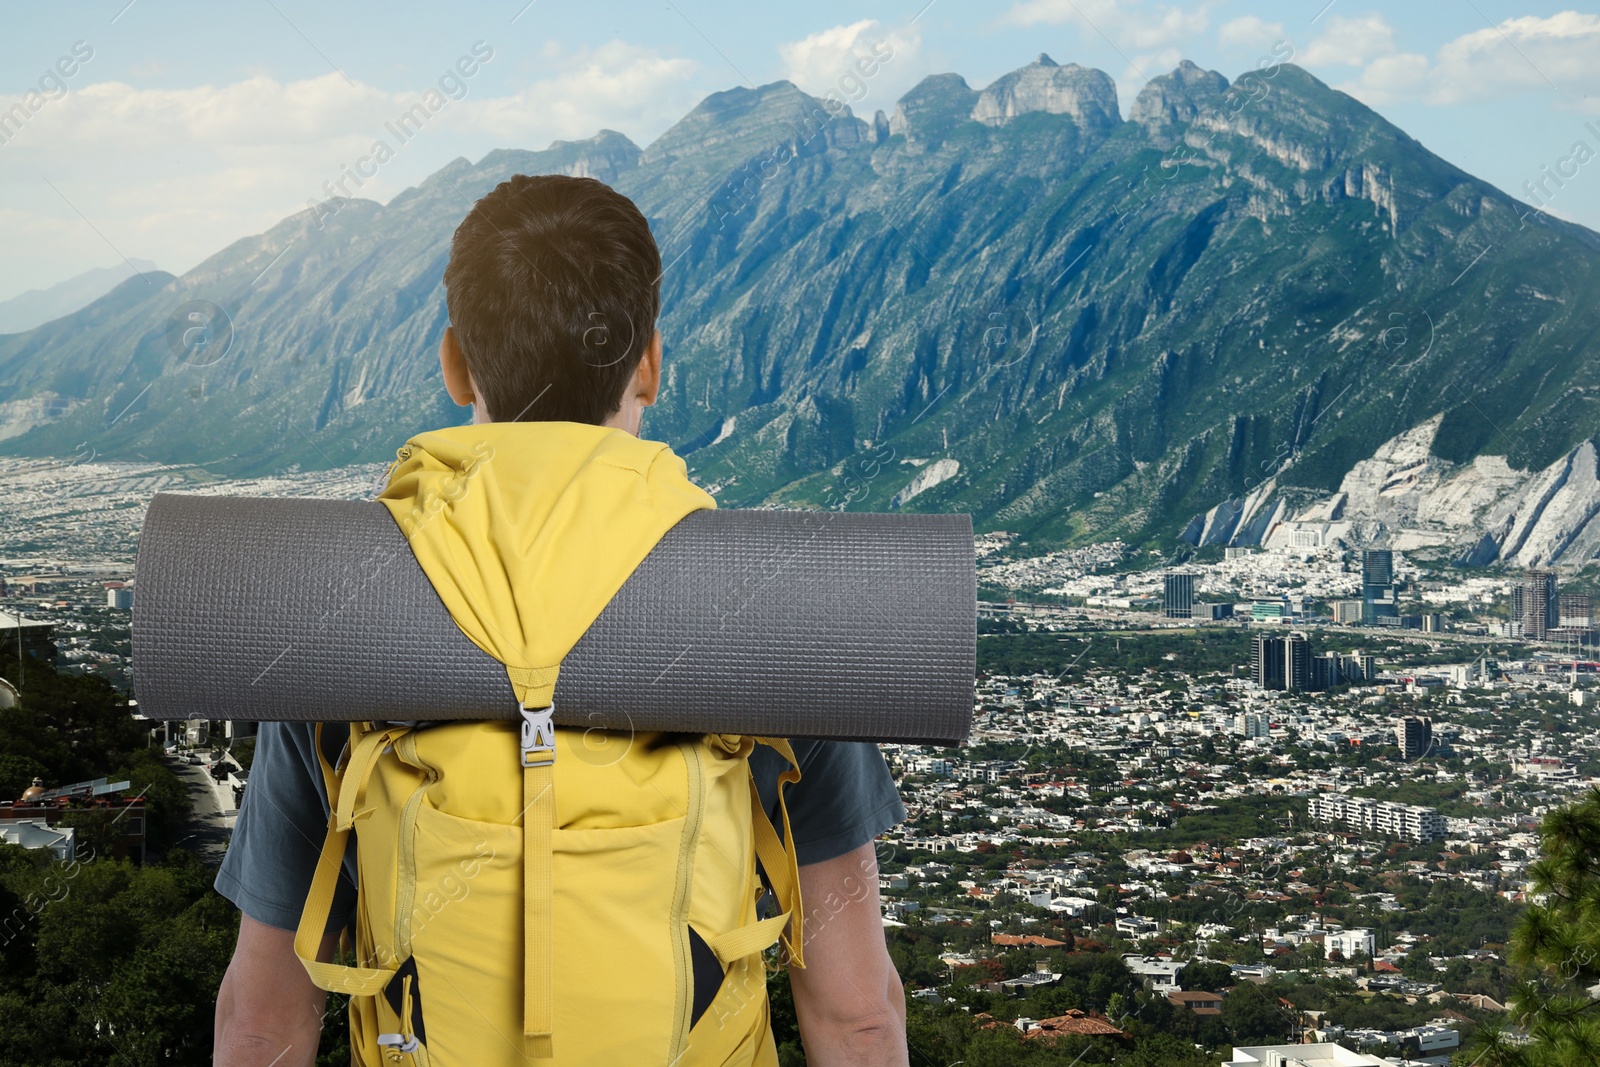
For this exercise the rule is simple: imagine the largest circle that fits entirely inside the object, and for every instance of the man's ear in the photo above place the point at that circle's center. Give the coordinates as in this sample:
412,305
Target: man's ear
457,379
647,378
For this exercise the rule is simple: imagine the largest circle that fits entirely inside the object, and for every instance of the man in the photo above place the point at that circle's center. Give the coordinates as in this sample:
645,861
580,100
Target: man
553,292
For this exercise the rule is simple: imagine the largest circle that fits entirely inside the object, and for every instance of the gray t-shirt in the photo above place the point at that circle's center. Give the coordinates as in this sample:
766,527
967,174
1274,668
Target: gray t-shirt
844,799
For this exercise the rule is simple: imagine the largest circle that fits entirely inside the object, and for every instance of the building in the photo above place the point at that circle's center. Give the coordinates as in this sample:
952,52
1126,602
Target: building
1211,612
1349,942
34,638
1575,611
1409,822
1281,661
1252,725
1268,611
1330,669
119,597
36,833
1536,604
1346,612
1201,1003
1414,735
1377,585
1160,972
1432,622
44,810
1323,1054
1178,595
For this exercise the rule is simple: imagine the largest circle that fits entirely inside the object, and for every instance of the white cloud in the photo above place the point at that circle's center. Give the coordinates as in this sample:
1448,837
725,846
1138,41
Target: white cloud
1390,78
1522,53
1127,24
179,173
826,60
1248,31
1518,55
1350,41
618,85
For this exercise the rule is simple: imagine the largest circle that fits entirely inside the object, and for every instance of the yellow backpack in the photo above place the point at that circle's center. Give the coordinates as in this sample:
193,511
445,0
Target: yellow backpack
533,892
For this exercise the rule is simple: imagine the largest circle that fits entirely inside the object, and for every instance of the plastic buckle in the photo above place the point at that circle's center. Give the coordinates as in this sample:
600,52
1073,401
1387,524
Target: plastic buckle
538,736
400,1042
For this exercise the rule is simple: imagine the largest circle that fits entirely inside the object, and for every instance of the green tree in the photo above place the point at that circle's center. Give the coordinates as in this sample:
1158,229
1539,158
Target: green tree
1557,941
1206,976
1253,1016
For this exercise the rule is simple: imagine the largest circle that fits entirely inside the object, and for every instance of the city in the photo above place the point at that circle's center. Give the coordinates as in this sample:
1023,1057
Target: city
1314,772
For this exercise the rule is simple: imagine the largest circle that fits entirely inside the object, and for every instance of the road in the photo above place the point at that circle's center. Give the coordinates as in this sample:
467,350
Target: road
213,813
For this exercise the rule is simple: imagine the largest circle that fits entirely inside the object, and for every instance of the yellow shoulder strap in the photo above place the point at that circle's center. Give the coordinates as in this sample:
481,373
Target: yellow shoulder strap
344,792
783,872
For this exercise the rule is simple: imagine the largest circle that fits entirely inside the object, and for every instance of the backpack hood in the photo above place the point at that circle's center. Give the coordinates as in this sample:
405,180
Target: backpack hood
528,529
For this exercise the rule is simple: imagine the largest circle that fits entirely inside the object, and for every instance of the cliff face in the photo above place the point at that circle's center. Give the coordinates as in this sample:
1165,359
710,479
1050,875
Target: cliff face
1086,96
1405,496
1207,320
1167,106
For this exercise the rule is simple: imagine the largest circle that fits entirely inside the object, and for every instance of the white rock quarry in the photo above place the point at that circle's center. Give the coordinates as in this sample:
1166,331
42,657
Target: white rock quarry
1406,497
940,470
1553,517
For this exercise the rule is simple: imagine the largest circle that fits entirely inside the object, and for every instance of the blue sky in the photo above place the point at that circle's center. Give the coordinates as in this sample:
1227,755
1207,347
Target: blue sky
184,126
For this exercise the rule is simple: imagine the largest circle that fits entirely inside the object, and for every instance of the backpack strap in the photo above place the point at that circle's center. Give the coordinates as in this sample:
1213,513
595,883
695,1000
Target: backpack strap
783,873
345,791
536,694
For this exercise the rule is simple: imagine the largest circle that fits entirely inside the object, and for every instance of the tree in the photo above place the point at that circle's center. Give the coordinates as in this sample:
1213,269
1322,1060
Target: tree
1254,1017
1557,942
1206,976
1418,965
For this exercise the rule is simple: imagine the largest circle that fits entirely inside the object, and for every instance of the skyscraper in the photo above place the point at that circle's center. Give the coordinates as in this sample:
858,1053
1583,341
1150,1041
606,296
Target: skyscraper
1377,585
1178,598
1414,735
1576,610
1281,661
1539,606
1377,567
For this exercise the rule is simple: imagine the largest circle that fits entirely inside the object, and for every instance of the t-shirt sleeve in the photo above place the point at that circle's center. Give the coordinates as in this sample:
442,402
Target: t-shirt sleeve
278,835
845,797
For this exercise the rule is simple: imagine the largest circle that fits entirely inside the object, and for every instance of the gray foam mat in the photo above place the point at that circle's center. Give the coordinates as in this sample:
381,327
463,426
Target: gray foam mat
789,623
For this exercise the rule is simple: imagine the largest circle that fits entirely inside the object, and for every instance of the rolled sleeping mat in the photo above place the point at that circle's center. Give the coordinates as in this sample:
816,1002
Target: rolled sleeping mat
778,623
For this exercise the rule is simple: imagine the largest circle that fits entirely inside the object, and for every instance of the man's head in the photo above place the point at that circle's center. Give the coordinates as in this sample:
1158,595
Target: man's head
553,287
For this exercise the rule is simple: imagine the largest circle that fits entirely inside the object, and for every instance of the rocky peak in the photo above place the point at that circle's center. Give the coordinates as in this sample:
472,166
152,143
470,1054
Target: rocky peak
1175,99
1088,96
752,120
934,106
603,156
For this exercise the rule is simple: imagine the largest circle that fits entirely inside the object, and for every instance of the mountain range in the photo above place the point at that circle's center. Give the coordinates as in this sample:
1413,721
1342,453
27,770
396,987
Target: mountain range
1251,310
37,306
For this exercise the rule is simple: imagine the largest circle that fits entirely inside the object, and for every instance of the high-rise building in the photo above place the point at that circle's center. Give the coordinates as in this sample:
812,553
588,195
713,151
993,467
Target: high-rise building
1377,567
1538,608
1346,611
1281,661
1377,585
1327,671
1178,598
1414,735
1253,725
1575,610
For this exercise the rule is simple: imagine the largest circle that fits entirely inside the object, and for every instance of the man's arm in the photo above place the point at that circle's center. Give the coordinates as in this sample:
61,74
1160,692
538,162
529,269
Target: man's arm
268,1012
851,1005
